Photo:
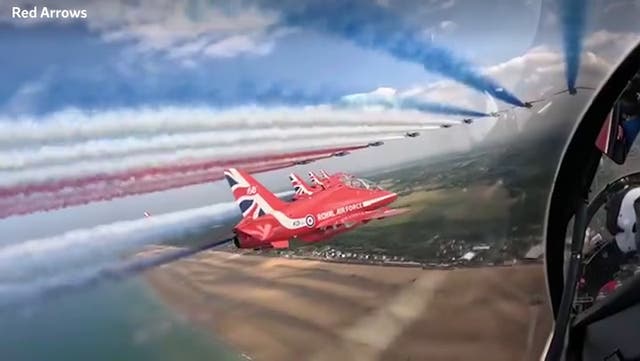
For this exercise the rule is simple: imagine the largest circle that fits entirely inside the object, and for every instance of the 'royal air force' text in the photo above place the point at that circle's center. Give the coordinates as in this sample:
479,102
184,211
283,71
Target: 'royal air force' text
332,213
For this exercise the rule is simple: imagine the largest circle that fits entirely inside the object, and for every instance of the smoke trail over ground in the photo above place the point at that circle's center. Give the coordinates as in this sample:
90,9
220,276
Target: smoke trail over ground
370,25
84,257
42,258
44,290
573,23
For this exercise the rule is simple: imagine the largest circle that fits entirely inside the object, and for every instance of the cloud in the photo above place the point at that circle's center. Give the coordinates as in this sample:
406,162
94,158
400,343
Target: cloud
539,66
125,134
531,73
613,6
447,4
173,130
237,44
444,28
607,42
227,47
432,6
448,26
26,96
160,25
371,26
535,74
193,26
388,98
251,44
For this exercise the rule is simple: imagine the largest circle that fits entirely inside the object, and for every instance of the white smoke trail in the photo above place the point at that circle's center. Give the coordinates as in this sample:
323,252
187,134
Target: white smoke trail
107,166
35,258
103,148
21,293
75,125
43,258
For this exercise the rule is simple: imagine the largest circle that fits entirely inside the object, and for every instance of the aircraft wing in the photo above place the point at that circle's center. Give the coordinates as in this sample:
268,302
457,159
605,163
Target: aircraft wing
362,217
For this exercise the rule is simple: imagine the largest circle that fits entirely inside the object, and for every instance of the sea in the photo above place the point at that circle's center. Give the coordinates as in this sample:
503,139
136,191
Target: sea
113,321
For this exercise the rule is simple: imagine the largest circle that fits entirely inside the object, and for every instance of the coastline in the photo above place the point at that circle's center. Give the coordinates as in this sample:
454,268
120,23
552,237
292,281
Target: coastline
269,308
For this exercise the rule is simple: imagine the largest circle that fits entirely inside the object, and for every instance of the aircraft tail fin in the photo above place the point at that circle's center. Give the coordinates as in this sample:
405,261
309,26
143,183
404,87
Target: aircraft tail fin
299,185
315,179
251,196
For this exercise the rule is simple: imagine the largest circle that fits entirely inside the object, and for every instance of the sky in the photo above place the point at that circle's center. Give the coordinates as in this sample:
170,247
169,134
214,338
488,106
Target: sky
156,53
243,60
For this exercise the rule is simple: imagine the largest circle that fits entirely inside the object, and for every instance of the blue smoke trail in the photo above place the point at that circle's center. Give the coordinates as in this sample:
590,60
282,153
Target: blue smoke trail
573,23
372,26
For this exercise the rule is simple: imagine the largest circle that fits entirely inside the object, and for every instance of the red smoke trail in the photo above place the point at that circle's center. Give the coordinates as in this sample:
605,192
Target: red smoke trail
103,191
57,185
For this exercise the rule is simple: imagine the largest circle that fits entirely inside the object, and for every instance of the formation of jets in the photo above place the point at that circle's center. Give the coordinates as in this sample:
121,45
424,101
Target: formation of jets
318,183
331,205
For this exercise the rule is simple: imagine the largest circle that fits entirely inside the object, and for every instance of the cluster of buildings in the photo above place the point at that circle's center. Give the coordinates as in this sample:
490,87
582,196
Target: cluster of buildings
449,253
337,255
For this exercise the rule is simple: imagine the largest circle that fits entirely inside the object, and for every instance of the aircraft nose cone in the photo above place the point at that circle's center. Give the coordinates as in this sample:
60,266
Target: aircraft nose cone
389,197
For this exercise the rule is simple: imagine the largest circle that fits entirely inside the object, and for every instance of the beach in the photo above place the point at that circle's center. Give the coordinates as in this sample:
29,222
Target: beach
273,308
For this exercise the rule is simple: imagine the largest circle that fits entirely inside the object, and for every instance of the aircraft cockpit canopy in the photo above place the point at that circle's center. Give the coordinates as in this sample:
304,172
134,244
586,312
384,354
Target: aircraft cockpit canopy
360,183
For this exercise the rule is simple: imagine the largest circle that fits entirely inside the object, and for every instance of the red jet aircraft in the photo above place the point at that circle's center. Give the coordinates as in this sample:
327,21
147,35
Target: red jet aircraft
326,181
269,222
304,190
317,180
301,188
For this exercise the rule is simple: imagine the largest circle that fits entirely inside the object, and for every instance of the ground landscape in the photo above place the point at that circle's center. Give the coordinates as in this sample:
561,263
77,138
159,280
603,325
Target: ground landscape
458,277
282,309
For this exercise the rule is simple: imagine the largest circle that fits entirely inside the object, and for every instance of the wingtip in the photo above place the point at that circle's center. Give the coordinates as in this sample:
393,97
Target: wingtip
399,211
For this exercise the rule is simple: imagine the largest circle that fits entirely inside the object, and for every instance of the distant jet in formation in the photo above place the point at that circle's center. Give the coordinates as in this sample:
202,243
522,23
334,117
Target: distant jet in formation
318,183
335,205
302,189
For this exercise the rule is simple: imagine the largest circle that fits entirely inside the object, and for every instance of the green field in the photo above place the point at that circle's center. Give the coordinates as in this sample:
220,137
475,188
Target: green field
494,197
